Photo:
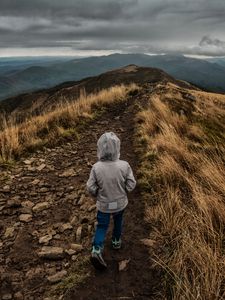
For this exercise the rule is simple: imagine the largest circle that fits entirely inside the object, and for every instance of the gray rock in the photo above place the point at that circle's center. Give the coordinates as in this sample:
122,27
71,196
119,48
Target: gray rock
27,162
27,203
45,239
89,229
6,188
123,264
82,200
68,173
76,247
91,208
41,167
41,206
31,169
74,220
79,234
57,237
9,232
70,252
64,227
57,277
25,218
35,181
43,190
51,252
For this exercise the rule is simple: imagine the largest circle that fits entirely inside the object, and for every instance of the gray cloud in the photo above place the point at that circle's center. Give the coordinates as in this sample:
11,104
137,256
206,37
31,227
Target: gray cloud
208,41
174,26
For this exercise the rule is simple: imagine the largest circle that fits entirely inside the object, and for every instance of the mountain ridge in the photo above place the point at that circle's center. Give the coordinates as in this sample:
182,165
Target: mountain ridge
207,75
47,98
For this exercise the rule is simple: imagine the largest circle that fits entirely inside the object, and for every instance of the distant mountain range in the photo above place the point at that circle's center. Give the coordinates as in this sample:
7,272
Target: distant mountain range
218,60
26,75
34,103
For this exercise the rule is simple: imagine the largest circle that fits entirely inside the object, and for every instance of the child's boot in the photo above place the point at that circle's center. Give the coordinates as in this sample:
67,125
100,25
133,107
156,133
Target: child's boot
116,244
97,259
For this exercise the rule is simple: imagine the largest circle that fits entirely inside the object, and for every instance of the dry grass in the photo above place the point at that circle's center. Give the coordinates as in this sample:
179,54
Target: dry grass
183,178
46,128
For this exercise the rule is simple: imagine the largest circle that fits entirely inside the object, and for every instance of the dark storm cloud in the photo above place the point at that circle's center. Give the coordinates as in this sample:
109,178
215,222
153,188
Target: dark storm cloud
118,25
97,9
207,41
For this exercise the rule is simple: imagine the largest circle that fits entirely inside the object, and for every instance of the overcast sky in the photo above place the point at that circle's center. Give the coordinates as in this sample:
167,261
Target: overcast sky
94,27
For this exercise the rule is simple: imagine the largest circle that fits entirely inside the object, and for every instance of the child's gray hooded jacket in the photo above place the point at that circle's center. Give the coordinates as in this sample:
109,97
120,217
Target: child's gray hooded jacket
110,178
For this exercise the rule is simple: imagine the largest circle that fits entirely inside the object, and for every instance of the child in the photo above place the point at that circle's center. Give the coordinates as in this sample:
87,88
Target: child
110,180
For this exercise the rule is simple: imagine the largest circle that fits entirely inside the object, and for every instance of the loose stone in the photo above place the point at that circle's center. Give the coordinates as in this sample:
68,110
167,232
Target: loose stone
51,252
57,277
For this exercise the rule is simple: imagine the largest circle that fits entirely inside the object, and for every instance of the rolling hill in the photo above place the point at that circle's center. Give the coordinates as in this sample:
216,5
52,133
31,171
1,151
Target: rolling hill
203,73
44,100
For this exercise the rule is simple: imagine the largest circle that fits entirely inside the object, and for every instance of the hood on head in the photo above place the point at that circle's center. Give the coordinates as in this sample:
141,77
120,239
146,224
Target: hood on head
108,147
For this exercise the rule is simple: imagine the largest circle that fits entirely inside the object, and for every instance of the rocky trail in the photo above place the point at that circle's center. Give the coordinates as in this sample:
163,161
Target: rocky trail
47,221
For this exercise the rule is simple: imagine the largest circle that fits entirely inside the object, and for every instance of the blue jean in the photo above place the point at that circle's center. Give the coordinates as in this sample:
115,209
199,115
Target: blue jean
103,224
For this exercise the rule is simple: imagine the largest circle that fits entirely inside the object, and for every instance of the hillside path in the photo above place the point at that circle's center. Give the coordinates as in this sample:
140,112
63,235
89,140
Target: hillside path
57,177
137,281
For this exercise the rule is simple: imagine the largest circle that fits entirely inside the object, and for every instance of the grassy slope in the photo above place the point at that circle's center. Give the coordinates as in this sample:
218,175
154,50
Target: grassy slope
49,127
180,140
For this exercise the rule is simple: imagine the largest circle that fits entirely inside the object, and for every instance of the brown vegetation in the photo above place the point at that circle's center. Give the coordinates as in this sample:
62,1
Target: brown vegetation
181,143
63,120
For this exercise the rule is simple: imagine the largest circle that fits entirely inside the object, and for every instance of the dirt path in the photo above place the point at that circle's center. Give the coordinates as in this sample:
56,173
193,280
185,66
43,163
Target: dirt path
138,280
57,177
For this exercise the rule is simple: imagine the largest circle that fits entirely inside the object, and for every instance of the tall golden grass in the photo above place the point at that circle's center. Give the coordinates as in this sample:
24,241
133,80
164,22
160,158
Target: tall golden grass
182,174
16,138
